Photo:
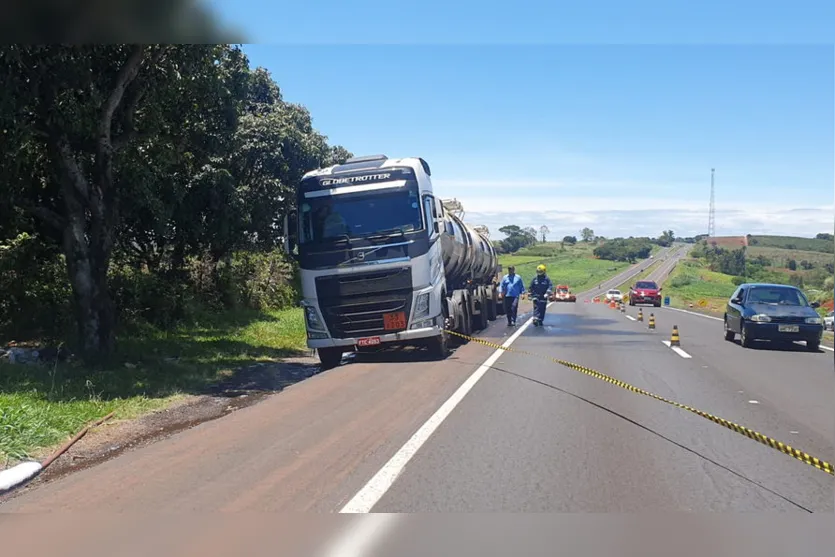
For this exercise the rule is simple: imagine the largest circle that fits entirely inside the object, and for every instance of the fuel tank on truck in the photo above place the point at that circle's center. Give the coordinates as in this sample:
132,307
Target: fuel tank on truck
466,253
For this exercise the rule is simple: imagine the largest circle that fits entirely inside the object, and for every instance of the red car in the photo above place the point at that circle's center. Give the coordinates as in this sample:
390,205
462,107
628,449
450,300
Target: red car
645,292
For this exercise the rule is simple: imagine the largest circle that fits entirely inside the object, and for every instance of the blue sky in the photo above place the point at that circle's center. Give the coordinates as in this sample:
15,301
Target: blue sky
617,137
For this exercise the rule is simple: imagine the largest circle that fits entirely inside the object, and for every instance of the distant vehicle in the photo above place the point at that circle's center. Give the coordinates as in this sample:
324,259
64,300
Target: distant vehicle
774,312
829,321
563,294
645,292
614,294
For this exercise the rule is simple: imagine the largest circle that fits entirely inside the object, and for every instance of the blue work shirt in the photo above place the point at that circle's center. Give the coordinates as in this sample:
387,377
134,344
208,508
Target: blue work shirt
512,287
541,284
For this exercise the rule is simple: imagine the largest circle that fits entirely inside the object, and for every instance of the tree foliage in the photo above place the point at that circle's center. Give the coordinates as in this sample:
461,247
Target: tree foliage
624,249
517,238
145,160
587,234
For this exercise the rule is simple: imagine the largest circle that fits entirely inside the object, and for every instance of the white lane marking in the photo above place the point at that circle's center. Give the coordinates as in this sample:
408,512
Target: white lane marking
377,486
676,349
753,402
696,314
631,318
361,535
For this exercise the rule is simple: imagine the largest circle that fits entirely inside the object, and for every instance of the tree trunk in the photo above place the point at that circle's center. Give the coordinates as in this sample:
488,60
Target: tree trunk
95,313
91,216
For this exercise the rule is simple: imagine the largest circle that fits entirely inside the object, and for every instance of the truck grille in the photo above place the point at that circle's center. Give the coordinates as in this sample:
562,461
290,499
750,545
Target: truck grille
353,305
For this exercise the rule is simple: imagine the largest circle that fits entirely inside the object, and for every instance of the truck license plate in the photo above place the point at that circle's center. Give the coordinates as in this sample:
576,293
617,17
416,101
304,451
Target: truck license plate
370,341
395,320
788,328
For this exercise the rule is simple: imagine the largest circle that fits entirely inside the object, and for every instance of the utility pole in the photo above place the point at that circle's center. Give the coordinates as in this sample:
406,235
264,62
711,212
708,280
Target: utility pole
711,222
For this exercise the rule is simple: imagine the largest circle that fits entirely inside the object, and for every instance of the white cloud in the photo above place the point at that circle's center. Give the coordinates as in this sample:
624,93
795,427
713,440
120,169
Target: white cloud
651,217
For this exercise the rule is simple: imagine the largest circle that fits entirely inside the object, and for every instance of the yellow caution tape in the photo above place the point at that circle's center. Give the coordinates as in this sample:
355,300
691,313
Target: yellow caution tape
742,430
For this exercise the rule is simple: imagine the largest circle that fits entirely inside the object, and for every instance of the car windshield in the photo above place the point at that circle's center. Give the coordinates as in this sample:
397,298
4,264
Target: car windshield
776,295
360,214
646,284
615,292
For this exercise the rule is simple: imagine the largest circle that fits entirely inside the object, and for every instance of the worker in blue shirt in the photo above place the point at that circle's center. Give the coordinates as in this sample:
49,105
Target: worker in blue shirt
512,287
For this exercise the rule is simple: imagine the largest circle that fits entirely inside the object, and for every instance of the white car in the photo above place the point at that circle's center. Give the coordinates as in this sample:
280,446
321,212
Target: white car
615,295
829,321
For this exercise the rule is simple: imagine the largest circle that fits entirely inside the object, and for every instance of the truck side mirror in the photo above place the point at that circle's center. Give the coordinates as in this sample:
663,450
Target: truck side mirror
291,234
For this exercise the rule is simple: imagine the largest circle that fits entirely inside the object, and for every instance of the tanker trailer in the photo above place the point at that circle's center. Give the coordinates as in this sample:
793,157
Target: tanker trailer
384,262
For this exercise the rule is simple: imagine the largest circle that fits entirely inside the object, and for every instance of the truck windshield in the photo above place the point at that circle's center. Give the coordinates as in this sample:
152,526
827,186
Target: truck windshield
359,215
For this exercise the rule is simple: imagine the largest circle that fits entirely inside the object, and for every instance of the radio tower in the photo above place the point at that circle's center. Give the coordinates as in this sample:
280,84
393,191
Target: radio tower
711,219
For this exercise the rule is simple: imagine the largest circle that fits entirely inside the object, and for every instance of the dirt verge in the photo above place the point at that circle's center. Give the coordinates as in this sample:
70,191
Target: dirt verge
246,387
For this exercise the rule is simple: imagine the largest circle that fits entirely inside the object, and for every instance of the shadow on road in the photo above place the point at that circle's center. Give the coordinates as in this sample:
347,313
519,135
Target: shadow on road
773,346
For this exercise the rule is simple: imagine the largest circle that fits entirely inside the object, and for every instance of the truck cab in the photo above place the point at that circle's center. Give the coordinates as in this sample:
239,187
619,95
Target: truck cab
377,253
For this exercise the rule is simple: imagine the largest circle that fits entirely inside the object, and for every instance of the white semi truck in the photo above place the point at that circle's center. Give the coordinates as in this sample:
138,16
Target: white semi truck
384,261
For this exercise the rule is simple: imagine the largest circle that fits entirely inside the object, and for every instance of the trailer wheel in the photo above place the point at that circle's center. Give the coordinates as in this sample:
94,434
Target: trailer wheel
329,357
480,320
439,346
492,306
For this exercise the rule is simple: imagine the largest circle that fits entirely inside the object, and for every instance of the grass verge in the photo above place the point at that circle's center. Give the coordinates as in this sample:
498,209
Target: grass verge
574,266
692,283
41,405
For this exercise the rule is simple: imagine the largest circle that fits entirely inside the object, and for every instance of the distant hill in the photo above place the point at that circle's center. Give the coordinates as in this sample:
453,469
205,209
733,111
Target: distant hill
792,243
728,242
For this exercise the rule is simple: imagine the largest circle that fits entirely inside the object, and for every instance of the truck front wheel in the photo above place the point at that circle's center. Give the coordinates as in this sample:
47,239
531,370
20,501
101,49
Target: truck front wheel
329,357
439,346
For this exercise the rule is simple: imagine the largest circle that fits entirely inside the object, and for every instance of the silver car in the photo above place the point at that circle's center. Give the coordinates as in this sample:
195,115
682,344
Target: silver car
829,321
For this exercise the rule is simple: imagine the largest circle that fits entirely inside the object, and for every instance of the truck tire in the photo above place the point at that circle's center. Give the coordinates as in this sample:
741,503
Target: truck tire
463,321
329,357
492,305
438,346
480,320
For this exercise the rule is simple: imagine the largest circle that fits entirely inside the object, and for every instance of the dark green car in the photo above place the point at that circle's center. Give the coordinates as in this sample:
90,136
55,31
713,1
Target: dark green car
773,312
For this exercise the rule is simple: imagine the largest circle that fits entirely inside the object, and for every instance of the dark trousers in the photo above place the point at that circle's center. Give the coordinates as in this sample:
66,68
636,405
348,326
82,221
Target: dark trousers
539,308
511,306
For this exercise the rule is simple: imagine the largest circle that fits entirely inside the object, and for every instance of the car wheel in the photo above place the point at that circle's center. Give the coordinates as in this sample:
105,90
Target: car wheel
813,346
744,337
729,334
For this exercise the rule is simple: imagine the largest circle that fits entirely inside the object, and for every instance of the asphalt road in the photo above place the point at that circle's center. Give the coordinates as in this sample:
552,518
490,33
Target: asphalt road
528,436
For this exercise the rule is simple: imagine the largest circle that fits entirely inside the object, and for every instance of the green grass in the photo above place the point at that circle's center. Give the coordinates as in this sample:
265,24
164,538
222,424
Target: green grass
780,256
692,282
42,405
793,243
575,266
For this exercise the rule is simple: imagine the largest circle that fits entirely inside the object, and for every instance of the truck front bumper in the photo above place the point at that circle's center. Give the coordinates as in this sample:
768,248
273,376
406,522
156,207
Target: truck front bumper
403,337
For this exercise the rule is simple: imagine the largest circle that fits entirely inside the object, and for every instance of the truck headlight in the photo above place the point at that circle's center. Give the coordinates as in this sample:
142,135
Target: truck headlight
311,317
813,320
760,318
422,305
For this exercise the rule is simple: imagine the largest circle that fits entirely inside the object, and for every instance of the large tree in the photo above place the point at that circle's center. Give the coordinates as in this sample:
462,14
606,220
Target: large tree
150,152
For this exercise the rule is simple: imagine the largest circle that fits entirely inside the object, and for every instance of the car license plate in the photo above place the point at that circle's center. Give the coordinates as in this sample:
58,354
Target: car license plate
788,328
395,320
371,341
